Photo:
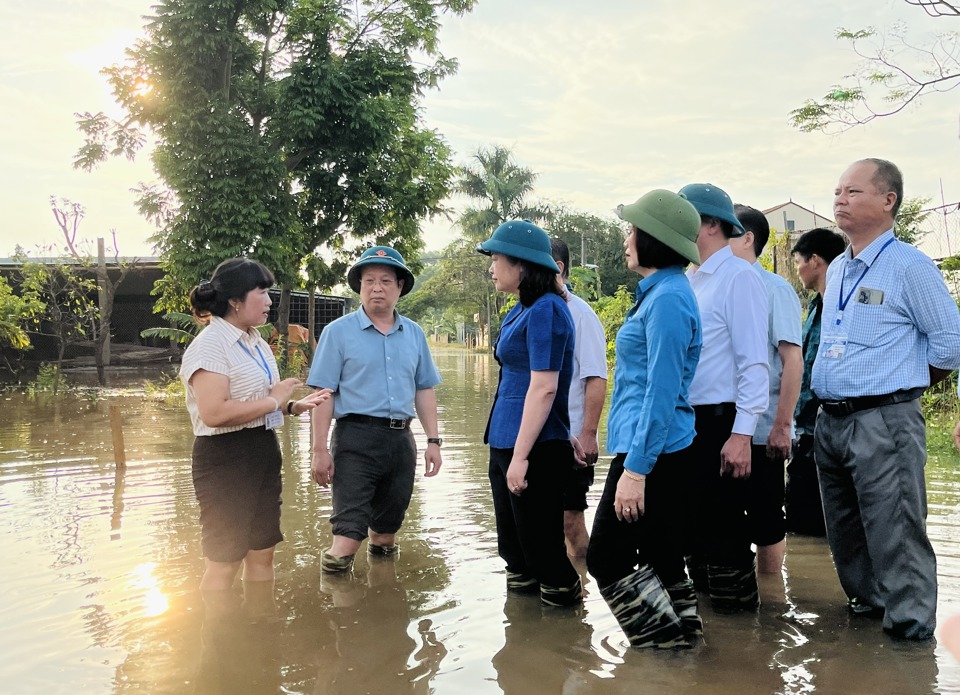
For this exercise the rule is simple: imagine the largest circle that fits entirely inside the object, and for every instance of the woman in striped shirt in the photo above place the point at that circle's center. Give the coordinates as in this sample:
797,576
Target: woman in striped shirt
236,400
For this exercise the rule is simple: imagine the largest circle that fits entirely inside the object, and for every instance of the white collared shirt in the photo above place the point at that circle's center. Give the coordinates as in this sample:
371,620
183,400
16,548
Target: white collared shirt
733,365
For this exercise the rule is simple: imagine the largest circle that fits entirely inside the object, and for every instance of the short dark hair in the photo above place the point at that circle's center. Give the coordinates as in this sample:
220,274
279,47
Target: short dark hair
653,253
232,279
754,221
888,178
561,253
725,227
535,280
825,243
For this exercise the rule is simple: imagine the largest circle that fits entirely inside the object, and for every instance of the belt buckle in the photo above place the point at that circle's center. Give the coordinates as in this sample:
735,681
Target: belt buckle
398,423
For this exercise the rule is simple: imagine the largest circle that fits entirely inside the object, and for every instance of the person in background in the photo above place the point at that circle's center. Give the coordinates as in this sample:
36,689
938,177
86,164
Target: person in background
636,548
773,437
588,391
378,365
813,253
531,452
729,393
890,330
236,400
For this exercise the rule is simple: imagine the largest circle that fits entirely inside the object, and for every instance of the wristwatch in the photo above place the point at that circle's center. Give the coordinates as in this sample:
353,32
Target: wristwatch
435,440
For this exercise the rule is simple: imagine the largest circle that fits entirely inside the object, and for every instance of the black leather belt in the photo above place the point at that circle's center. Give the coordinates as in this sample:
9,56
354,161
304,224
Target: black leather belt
394,423
848,406
715,409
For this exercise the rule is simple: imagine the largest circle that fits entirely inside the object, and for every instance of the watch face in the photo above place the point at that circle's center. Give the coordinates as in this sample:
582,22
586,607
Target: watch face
435,440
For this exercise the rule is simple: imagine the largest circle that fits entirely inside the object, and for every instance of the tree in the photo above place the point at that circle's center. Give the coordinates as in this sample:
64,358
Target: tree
15,313
501,187
910,218
63,294
893,74
596,241
68,216
286,131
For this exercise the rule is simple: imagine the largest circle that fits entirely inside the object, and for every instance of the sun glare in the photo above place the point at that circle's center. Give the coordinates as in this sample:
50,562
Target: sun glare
154,601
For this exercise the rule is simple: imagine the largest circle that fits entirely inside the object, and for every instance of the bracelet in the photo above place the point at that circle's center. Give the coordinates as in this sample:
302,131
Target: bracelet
290,407
276,403
634,476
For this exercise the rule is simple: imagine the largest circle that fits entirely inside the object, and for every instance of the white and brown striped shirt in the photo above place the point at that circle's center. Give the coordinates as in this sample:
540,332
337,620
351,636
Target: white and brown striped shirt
244,358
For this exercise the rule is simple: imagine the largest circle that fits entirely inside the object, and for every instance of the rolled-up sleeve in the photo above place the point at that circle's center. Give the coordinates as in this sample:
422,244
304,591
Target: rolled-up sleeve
746,310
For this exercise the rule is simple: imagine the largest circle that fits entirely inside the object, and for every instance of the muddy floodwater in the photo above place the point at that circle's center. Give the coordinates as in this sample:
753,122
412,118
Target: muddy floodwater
100,571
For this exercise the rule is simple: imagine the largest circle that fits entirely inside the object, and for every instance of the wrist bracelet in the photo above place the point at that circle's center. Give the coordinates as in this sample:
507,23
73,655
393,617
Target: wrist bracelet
290,407
634,476
276,403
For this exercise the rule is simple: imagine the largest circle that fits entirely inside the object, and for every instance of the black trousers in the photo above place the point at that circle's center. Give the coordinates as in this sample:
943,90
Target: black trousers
617,548
718,532
803,504
530,525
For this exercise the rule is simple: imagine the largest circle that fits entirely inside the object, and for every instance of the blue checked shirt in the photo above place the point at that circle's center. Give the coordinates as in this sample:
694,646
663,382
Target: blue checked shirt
899,321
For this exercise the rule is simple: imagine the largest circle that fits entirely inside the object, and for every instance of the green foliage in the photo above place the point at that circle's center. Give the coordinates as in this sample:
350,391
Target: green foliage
282,129
47,380
168,388
612,312
64,295
597,242
182,330
15,313
893,73
910,219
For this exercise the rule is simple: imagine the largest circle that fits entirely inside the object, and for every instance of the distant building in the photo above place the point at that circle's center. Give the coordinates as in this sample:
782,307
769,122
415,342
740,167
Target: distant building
795,219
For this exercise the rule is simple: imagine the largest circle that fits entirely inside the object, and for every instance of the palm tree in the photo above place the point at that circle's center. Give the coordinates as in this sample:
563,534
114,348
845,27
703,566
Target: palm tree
502,185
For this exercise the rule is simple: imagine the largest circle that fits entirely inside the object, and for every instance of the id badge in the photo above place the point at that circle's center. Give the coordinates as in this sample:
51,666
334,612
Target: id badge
273,419
833,347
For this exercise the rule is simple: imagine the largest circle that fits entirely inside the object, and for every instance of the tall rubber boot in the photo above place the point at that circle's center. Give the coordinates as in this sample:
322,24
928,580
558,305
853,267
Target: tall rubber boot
734,588
684,598
643,609
561,595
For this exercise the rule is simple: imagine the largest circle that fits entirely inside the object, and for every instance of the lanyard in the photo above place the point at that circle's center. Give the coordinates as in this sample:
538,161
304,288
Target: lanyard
262,362
843,301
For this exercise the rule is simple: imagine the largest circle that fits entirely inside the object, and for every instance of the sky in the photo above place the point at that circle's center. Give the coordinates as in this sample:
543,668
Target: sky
604,100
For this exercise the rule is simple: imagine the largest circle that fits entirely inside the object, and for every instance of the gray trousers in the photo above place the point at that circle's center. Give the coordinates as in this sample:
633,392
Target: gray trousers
875,504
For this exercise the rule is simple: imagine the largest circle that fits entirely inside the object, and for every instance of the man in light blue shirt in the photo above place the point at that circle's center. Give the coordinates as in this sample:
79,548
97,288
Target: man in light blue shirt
379,367
889,330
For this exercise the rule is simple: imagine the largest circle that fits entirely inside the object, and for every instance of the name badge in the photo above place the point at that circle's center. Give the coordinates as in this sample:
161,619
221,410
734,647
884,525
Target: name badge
865,295
273,419
833,347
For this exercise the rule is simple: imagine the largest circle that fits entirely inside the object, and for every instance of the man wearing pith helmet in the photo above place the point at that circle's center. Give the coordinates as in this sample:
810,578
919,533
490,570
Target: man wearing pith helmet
729,392
379,367
636,548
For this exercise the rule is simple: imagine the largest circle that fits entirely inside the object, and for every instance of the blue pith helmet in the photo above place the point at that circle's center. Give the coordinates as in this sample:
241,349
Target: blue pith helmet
521,239
381,255
711,200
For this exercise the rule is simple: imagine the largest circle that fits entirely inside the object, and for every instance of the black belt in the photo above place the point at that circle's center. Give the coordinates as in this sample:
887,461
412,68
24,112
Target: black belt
715,409
849,406
394,423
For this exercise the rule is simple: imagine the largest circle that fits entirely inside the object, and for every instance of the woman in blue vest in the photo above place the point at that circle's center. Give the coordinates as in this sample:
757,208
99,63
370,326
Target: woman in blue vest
636,549
531,455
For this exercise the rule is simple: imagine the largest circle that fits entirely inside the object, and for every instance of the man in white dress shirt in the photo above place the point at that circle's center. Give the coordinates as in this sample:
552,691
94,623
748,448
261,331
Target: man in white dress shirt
588,391
729,392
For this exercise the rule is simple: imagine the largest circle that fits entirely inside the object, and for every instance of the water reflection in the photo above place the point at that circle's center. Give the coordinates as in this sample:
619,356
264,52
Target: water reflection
101,569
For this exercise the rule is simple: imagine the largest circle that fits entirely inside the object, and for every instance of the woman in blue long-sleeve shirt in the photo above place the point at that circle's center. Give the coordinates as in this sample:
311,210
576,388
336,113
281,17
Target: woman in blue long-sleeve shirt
636,551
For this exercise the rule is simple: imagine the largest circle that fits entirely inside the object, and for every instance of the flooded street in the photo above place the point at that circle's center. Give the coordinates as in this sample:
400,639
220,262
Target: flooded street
100,573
